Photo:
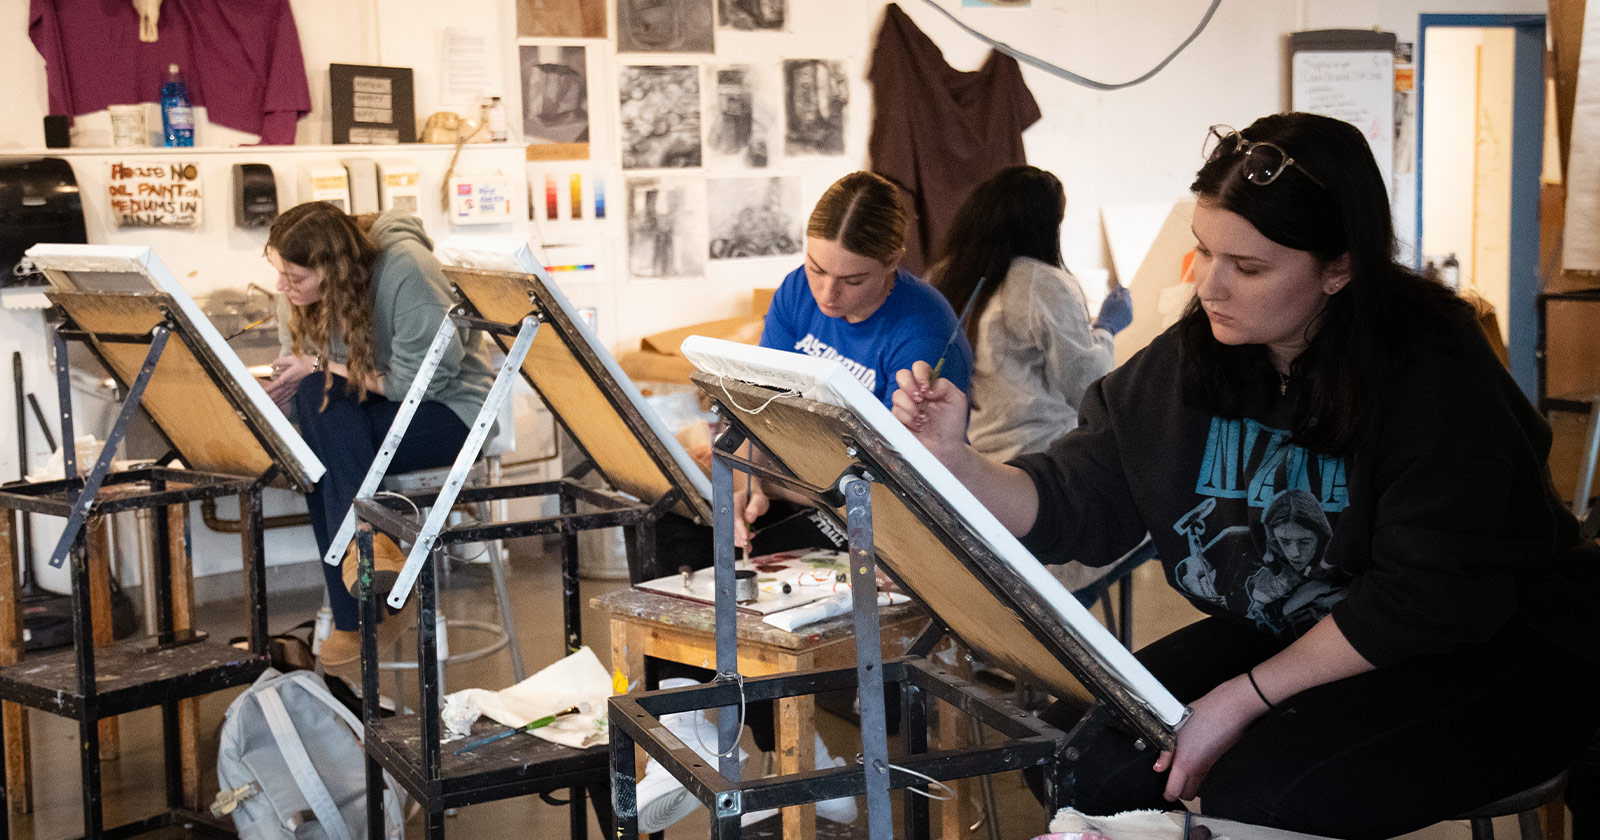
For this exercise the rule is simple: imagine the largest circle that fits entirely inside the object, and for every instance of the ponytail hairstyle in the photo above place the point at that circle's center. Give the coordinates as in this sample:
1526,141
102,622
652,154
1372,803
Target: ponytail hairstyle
863,213
324,238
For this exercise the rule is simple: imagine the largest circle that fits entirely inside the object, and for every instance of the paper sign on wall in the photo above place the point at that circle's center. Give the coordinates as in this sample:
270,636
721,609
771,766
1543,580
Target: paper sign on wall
155,194
480,199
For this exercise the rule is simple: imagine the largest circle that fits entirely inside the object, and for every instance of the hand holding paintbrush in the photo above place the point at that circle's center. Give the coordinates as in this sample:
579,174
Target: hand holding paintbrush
920,391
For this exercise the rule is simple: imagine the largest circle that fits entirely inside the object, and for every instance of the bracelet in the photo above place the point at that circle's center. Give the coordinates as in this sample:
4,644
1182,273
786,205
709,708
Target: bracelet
1251,676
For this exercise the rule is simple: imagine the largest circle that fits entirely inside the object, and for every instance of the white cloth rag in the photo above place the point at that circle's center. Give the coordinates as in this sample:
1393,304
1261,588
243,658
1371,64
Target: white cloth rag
578,680
1128,825
837,604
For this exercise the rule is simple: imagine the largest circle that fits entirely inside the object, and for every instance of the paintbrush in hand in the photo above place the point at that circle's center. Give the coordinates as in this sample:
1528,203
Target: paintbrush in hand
956,333
527,727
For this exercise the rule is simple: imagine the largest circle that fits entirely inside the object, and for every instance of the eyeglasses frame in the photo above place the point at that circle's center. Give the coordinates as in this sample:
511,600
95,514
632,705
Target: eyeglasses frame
1247,146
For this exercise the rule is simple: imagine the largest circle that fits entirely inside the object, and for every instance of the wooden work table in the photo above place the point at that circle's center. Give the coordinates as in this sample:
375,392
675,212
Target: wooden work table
678,630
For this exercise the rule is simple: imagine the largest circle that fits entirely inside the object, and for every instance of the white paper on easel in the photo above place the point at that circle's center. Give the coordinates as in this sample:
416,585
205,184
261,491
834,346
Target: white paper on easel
1581,249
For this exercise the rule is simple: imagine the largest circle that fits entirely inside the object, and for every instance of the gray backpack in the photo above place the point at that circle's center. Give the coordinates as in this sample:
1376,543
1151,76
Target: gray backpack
291,765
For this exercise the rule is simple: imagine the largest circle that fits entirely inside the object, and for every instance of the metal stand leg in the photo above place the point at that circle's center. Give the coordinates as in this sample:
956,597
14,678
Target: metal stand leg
503,596
726,614
578,812
914,725
1580,496
869,655
624,785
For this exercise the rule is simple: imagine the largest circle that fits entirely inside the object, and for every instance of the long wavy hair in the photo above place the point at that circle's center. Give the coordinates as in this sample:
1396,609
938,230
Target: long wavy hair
1016,213
1339,374
321,237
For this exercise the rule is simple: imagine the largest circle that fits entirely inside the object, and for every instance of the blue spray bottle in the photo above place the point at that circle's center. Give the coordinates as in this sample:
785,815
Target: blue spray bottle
177,118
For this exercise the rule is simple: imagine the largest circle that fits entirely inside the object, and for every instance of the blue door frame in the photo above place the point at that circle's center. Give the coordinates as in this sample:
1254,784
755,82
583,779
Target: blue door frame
1527,161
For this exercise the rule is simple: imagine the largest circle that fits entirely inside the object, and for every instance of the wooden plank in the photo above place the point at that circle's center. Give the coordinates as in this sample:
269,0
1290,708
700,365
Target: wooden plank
182,588
1566,38
97,534
570,388
181,397
796,745
13,718
955,732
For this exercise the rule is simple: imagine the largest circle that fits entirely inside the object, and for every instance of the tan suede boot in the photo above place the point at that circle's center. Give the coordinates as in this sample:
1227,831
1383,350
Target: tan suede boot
387,561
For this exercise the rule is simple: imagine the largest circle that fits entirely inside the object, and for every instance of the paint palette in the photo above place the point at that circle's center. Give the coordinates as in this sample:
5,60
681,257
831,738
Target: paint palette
786,580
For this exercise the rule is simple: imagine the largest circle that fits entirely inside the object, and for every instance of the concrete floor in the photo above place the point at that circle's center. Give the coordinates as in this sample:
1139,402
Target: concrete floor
133,782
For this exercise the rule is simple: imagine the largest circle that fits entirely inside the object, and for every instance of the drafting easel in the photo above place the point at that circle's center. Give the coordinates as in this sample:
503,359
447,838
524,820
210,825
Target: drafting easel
546,344
849,455
124,305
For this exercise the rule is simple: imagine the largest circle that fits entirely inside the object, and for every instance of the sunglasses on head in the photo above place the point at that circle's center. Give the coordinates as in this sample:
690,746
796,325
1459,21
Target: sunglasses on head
1263,162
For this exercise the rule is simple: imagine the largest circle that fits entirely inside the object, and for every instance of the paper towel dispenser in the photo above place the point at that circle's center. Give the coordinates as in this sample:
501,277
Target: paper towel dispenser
39,202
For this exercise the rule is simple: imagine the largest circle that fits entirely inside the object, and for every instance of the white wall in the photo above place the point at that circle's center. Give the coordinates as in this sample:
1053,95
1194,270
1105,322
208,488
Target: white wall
1131,146
1134,146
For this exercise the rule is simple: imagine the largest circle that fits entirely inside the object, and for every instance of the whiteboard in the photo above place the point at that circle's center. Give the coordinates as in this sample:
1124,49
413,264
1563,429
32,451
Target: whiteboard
1356,86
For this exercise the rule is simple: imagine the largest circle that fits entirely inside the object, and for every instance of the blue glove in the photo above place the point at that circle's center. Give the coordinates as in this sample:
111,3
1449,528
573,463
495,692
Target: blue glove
1116,313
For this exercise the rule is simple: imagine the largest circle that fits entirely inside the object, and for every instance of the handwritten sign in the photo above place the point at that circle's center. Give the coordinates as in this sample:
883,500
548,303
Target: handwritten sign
1354,86
155,194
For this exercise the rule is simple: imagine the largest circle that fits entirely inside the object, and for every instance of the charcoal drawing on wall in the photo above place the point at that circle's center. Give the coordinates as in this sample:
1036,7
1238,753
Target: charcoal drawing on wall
815,93
752,15
754,217
666,227
555,94
660,116
743,116
656,26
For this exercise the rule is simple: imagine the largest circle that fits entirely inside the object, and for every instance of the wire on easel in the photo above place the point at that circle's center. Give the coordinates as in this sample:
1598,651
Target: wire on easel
1064,73
722,383
949,792
739,678
415,511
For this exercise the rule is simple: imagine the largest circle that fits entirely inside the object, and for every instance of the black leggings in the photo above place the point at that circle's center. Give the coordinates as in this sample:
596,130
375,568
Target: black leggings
1374,755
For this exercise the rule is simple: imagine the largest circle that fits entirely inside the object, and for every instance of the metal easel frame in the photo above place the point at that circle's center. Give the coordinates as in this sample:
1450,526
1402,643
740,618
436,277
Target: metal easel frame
863,459
635,719
186,663
408,745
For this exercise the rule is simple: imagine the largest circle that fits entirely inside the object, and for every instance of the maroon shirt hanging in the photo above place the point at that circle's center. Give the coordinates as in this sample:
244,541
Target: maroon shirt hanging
939,132
241,59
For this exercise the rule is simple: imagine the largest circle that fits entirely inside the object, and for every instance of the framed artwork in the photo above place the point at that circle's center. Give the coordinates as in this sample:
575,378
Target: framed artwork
372,104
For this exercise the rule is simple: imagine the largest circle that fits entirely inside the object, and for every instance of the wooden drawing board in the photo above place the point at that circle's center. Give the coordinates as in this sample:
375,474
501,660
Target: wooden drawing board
200,396
932,534
579,379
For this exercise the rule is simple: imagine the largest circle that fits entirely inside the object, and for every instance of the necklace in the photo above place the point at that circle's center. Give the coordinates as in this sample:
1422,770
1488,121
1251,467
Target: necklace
1283,383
